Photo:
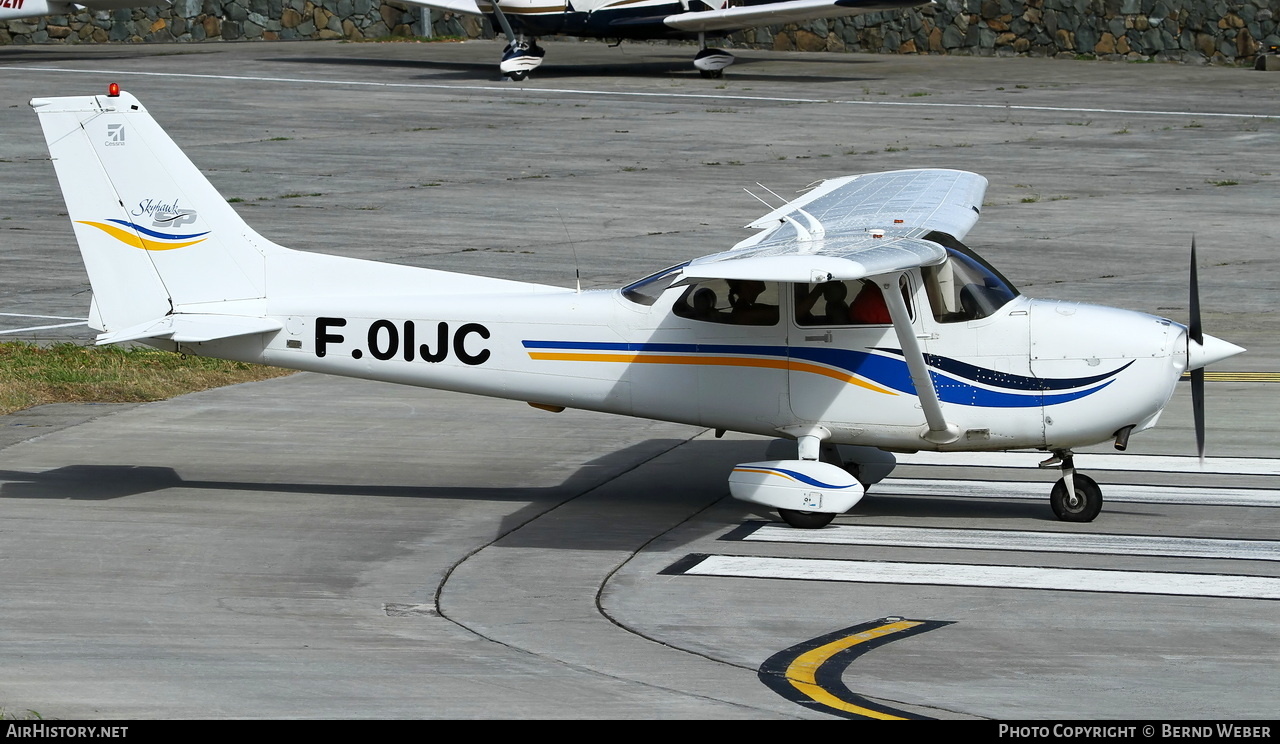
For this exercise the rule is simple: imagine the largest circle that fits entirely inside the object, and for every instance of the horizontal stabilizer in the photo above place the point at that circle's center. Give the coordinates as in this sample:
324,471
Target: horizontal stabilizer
189,328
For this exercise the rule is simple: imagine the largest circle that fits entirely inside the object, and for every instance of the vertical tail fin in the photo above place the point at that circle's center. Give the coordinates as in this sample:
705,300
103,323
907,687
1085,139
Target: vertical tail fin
156,237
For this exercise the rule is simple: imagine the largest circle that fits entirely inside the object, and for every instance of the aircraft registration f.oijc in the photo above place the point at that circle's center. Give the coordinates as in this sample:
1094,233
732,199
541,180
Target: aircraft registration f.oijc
854,323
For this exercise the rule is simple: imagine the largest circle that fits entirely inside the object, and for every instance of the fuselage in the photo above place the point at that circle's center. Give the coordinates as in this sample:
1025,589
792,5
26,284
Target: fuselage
1027,373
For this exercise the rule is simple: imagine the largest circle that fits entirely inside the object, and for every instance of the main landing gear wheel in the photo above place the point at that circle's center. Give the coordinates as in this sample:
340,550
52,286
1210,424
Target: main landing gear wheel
518,75
806,520
711,74
1085,506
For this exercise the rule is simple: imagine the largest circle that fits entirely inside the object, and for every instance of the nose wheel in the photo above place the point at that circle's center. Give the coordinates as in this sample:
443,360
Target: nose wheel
1075,497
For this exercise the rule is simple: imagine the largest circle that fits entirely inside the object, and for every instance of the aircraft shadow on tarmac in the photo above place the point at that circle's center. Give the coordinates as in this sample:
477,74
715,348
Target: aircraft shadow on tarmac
675,67
83,53
633,505
632,508
106,482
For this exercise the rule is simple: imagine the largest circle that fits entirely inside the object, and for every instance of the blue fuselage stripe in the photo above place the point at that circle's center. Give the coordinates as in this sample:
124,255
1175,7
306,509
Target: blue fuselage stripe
948,375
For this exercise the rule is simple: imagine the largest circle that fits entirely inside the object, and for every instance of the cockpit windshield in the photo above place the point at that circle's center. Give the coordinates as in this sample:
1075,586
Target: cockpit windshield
964,287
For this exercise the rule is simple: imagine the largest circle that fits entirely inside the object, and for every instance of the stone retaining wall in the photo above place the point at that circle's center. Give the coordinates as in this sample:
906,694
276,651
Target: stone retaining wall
1218,31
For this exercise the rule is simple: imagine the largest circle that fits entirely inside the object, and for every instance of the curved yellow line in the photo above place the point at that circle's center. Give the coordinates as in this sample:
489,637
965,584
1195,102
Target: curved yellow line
713,361
836,374
137,241
765,472
802,673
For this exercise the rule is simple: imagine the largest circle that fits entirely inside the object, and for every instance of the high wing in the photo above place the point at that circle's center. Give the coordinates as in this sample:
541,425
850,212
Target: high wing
787,11
853,227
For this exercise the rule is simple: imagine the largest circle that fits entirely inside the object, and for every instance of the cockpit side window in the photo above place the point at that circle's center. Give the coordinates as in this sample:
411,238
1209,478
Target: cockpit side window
647,290
733,301
964,287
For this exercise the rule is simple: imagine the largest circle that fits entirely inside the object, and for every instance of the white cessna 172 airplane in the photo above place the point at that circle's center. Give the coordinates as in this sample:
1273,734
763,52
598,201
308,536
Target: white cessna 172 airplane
523,21
15,9
854,323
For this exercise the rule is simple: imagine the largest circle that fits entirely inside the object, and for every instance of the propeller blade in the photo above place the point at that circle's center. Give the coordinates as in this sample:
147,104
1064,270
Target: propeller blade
1197,408
1195,335
1195,332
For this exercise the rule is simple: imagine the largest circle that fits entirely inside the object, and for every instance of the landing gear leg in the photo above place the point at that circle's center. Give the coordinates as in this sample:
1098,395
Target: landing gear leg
809,446
1075,497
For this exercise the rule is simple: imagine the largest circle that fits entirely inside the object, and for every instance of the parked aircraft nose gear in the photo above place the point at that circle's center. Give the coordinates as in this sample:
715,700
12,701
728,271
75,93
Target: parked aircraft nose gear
1075,497
520,57
711,62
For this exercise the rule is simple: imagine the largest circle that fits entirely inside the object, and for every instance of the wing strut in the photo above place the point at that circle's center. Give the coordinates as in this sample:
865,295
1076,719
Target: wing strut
506,25
939,431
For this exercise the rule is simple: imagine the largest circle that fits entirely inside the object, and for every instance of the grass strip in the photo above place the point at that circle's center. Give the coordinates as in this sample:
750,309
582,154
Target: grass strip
32,375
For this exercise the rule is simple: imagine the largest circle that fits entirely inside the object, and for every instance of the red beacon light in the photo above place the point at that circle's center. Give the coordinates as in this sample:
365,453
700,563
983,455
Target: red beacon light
113,90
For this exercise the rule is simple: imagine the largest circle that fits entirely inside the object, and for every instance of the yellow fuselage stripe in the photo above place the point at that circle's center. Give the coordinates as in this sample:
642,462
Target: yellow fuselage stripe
709,360
765,472
802,672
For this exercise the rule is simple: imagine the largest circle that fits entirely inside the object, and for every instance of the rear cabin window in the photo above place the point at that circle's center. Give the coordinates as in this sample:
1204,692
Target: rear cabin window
839,303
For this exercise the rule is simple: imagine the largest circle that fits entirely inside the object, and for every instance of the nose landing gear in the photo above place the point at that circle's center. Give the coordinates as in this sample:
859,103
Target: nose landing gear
1075,497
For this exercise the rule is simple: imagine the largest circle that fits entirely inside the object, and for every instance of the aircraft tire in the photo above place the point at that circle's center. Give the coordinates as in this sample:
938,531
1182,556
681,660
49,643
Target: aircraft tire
806,520
517,76
1086,510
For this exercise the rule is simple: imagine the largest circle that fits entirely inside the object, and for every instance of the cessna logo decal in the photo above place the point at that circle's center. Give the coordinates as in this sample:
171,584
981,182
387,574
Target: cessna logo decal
115,135
385,340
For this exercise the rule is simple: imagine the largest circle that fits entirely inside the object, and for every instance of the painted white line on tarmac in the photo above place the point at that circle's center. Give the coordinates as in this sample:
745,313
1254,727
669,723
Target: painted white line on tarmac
508,88
1021,540
46,317
41,328
1086,462
1139,494
1007,577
